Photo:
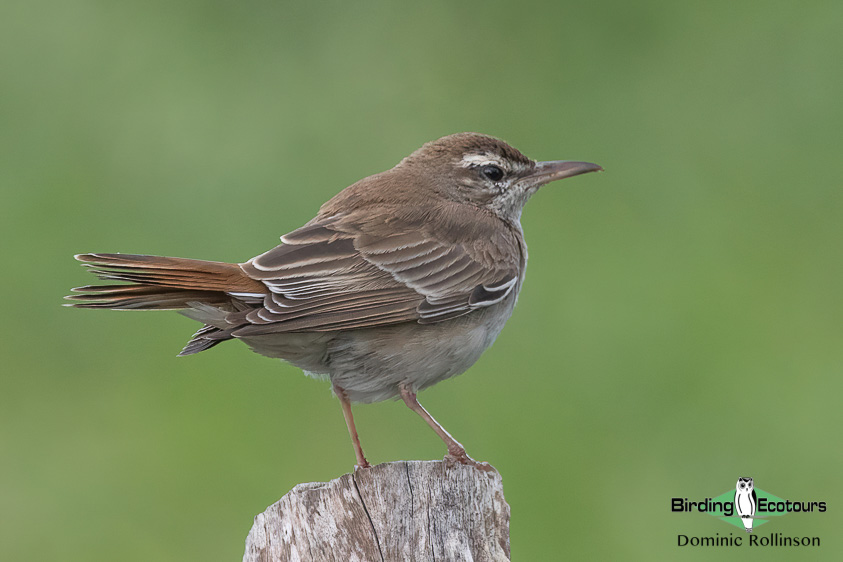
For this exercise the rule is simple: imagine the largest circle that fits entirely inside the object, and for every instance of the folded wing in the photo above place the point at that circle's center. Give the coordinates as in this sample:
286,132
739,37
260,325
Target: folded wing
347,271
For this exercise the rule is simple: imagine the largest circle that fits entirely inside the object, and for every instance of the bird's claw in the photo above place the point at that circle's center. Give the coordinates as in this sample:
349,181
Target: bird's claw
463,458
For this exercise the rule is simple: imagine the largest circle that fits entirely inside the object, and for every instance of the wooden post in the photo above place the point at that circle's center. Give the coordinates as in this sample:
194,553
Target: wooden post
408,510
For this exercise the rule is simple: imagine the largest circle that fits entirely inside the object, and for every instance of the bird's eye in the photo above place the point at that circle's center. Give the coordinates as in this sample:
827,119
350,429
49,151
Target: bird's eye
492,172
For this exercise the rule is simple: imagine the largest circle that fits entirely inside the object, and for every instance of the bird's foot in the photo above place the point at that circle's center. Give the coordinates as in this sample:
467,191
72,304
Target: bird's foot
462,457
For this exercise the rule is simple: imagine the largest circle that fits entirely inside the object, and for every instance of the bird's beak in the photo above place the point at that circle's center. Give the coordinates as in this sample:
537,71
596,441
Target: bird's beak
546,172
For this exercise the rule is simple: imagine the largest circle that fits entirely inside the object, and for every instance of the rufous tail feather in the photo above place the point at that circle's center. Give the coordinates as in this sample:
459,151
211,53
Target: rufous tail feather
161,283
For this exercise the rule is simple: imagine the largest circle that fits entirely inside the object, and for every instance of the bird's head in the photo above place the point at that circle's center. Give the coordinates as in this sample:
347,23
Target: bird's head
487,172
744,485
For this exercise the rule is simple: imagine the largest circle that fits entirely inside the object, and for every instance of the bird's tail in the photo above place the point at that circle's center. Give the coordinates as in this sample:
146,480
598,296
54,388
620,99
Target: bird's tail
160,283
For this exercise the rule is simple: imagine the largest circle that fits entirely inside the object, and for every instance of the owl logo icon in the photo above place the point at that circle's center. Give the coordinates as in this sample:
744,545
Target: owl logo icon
745,501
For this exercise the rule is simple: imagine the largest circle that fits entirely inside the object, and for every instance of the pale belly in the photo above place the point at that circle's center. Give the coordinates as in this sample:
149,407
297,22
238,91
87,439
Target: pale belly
370,364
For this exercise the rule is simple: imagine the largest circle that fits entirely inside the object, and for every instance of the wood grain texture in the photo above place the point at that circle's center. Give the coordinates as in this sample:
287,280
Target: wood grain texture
408,510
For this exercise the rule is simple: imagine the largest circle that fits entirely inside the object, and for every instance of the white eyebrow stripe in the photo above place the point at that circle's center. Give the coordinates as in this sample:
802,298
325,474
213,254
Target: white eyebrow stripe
481,160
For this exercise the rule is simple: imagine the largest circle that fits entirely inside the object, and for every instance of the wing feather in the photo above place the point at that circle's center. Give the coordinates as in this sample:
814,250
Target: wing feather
346,271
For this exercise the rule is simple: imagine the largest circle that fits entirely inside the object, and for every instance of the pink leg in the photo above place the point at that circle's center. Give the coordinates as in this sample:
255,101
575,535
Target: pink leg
455,449
352,430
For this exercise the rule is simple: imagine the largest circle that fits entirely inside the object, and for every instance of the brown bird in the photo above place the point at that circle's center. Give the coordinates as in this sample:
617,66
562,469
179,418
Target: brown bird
400,281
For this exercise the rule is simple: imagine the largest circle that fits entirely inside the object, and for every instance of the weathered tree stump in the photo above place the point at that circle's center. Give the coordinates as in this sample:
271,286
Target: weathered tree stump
409,510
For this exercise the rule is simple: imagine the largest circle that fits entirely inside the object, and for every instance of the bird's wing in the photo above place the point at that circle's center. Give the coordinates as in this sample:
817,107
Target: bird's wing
365,270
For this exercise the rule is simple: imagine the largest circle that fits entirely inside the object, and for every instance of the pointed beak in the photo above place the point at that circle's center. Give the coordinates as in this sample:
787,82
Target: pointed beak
546,172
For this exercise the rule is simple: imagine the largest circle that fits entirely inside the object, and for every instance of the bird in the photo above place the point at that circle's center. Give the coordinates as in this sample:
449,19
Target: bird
745,501
401,280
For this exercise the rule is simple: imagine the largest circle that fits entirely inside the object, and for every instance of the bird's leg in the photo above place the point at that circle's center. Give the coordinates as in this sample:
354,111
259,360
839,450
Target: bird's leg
352,430
455,449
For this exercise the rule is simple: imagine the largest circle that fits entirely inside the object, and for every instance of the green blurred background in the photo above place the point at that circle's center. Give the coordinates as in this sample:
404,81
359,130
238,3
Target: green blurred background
680,325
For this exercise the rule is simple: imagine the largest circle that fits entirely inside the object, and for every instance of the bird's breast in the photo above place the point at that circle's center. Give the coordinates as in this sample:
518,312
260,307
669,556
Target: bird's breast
370,364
